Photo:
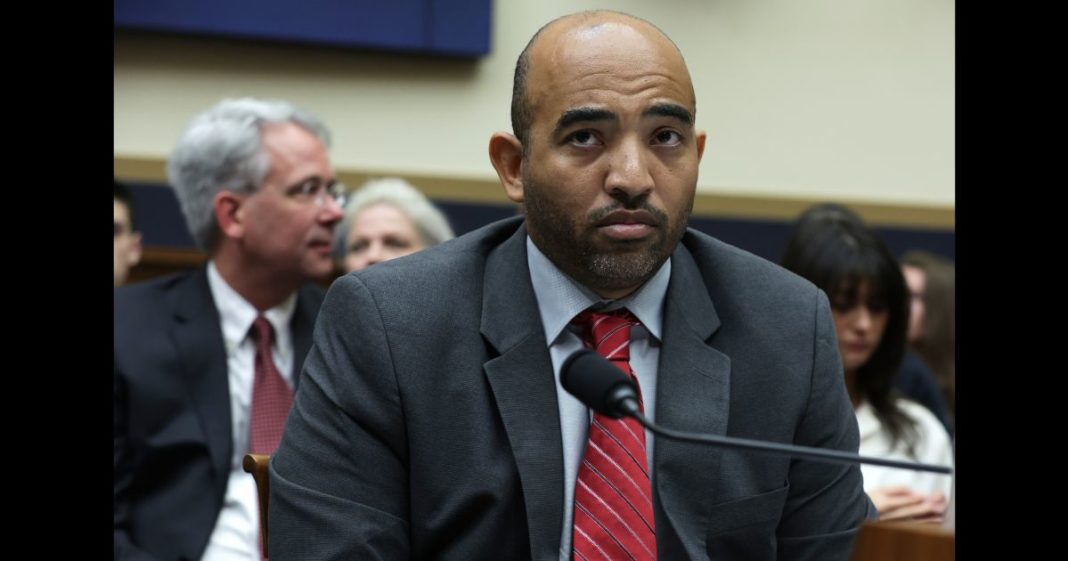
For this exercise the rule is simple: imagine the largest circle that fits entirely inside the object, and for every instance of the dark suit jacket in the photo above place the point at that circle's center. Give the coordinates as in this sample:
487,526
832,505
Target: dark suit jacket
172,413
427,426
917,382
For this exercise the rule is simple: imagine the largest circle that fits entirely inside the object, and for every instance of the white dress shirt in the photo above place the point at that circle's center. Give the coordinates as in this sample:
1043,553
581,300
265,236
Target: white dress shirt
237,531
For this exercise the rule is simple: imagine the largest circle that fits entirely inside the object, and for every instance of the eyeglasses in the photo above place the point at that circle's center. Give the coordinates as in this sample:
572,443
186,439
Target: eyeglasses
316,191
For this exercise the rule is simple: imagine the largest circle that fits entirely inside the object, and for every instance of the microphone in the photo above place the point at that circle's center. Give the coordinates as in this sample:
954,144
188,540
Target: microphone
603,387
598,384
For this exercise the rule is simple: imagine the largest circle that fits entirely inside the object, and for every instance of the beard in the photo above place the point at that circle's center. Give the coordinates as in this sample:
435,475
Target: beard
583,253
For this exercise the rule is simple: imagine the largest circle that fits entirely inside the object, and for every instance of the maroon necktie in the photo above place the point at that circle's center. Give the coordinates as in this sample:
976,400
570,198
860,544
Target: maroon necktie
271,397
613,518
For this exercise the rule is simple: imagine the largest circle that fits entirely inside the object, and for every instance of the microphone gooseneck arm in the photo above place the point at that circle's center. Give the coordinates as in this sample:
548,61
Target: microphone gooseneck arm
603,387
630,408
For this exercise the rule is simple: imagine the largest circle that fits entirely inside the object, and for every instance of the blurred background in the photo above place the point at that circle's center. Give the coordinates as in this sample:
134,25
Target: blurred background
803,102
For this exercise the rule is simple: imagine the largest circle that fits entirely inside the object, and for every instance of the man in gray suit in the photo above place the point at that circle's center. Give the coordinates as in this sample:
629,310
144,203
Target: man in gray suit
430,423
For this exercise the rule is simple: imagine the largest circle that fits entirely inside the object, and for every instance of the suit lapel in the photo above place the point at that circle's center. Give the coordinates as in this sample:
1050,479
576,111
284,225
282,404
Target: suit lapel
693,394
524,388
198,340
301,327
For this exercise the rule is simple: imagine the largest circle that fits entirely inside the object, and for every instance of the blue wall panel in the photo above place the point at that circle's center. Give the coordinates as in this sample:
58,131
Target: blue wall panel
445,27
454,26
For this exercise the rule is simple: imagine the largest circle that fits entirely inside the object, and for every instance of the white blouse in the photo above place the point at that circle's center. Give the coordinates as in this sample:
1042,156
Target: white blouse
932,446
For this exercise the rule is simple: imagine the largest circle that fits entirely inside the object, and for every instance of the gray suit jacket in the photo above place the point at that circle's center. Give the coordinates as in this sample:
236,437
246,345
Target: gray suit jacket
426,426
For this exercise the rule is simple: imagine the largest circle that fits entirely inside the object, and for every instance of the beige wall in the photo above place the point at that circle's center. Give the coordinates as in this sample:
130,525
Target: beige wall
802,99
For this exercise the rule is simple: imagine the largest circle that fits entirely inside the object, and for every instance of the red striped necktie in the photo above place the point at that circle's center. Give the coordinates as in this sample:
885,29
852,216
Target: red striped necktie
613,518
271,396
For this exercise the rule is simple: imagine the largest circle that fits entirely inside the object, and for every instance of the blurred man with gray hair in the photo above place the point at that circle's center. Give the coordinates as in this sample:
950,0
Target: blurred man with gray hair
206,361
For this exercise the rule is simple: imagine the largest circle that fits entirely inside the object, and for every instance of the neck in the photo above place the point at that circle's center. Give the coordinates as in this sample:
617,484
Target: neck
616,294
260,286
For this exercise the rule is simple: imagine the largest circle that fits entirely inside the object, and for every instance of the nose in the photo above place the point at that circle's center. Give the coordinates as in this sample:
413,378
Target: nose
331,212
628,175
376,253
862,321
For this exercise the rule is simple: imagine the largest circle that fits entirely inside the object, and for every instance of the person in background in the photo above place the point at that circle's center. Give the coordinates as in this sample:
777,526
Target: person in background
869,303
914,379
932,327
127,239
385,219
206,360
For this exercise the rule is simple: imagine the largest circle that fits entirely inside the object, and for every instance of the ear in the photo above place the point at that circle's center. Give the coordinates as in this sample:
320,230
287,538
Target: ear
227,208
701,137
134,255
506,155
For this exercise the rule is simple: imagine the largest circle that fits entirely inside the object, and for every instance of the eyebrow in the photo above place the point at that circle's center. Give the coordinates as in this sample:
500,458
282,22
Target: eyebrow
669,110
583,114
590,114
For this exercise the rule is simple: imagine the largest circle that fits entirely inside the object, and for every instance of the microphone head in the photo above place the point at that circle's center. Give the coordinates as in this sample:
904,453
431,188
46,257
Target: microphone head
597,383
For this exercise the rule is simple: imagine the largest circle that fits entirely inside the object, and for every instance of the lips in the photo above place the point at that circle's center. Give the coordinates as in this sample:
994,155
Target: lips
857,347
627,217
627,224
321,245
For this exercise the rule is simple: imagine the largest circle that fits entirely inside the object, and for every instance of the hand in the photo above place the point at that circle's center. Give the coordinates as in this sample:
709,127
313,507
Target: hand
901,503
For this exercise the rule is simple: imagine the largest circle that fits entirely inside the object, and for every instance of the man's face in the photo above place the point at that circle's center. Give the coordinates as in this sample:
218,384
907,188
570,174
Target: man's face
127,243
285,231
610,167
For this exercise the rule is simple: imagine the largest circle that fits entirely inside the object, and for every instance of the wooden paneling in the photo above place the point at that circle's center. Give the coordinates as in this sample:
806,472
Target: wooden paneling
156,261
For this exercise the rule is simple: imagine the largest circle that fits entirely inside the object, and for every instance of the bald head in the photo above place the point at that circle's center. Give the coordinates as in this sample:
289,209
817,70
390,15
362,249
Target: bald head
573,36
605,151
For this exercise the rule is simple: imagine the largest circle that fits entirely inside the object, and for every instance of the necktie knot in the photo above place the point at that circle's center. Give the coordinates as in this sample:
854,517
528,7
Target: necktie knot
608,333
262,332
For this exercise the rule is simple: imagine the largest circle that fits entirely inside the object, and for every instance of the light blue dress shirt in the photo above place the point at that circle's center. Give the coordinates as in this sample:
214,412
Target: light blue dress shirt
560,299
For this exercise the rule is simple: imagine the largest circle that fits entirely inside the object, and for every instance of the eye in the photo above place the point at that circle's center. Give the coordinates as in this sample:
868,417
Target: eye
877,306
843,302
583,138
667,137
306,189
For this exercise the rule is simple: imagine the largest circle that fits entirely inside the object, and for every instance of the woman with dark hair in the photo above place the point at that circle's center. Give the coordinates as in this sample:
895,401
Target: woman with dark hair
914,378
870,306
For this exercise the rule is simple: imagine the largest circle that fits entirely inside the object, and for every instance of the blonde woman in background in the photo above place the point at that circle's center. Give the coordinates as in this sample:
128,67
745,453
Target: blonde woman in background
385,219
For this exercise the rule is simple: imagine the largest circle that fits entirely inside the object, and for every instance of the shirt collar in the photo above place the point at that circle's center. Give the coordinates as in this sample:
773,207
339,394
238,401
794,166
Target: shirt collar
237,314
